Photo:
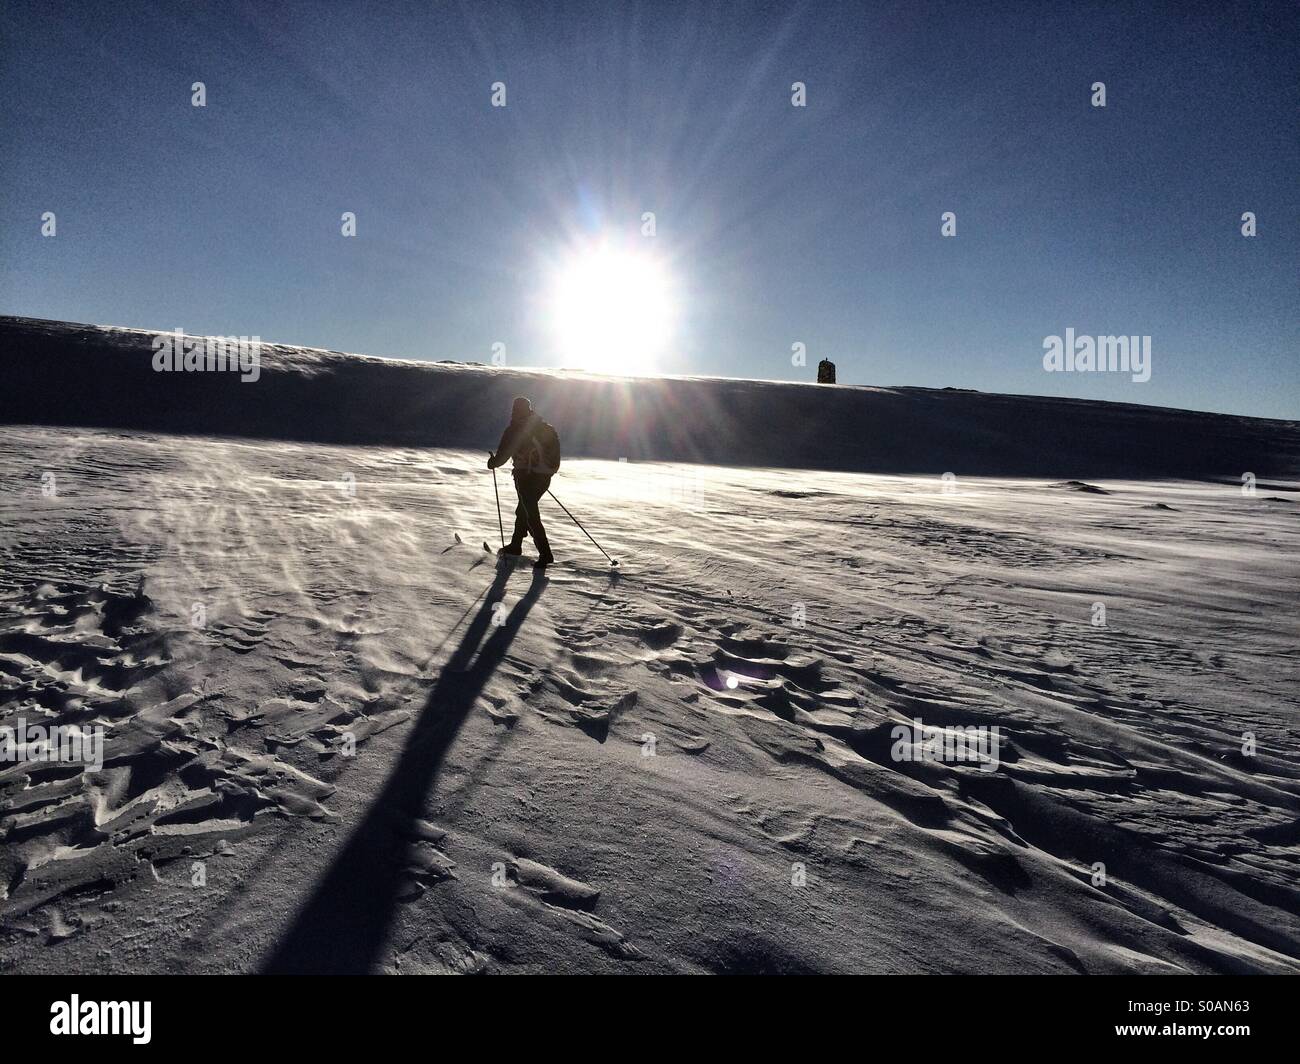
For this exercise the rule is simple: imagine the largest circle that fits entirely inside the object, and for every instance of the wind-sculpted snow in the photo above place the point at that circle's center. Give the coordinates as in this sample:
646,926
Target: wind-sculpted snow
58,373
339,737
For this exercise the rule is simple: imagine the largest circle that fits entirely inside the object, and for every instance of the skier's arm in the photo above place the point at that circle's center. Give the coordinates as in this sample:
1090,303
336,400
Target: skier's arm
502,455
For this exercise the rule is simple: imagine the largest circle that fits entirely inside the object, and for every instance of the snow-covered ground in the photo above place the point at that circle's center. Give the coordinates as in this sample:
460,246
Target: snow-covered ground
340,736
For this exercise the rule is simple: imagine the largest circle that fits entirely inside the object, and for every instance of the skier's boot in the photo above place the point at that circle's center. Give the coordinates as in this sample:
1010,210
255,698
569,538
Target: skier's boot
511,548
543,560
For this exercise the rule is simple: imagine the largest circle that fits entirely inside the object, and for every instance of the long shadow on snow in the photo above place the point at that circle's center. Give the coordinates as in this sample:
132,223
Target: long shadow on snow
343,926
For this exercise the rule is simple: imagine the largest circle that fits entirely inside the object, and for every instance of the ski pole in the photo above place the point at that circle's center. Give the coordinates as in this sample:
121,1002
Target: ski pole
500,527
579,524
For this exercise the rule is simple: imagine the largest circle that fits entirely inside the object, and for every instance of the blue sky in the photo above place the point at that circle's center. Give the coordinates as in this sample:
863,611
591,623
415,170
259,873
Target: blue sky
818,225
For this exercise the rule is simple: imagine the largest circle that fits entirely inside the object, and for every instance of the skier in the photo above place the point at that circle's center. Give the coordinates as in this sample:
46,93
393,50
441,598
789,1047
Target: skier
535,448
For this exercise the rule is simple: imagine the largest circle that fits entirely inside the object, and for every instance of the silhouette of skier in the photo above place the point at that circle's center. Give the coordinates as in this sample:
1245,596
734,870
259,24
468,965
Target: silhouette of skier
534,447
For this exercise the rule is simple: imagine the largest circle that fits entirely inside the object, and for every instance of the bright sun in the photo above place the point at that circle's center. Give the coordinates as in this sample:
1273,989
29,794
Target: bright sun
612,310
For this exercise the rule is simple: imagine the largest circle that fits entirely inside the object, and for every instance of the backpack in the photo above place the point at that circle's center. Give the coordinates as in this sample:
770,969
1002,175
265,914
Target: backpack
548,441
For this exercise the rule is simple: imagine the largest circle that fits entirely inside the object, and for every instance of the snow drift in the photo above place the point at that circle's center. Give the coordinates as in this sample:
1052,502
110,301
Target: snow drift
339,736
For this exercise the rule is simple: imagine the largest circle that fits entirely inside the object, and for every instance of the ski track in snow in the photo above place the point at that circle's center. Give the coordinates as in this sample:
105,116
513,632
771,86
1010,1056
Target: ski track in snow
555,774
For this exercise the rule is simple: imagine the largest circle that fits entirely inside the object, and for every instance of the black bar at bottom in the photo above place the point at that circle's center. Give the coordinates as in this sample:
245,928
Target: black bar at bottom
245,1012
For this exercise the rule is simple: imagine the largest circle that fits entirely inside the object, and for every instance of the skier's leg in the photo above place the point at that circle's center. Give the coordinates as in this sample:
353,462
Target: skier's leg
521,519
537,490
521,523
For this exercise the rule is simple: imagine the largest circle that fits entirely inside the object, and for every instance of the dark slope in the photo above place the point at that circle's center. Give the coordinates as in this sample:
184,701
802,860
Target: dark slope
58,373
